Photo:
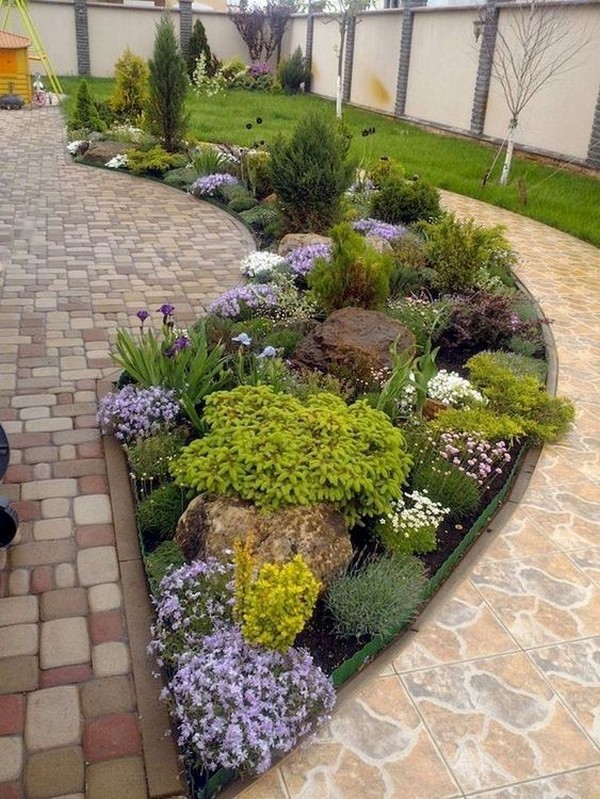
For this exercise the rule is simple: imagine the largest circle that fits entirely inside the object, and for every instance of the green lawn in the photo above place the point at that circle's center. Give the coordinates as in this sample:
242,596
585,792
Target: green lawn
559,197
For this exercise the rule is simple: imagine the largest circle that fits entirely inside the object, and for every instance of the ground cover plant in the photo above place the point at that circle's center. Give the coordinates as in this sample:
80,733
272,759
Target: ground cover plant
300,484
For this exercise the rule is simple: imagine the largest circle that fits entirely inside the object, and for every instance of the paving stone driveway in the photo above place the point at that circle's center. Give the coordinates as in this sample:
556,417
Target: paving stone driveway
81,250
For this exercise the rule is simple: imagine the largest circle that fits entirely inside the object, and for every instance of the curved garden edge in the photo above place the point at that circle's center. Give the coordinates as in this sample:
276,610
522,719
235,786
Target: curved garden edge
163,770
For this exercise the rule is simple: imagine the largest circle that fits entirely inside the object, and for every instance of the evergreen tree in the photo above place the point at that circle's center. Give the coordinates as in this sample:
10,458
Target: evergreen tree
85,116
197,46
167,86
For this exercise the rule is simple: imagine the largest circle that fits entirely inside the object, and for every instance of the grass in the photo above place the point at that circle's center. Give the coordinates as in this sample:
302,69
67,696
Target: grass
559,197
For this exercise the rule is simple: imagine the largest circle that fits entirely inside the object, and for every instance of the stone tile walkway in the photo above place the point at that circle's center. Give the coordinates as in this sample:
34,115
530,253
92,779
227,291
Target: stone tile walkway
497,694
80,252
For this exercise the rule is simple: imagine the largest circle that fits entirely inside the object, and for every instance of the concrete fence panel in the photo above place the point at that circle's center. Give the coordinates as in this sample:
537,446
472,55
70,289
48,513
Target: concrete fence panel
376,53
294,36
326,42
443,67
114,28
223,39
559,117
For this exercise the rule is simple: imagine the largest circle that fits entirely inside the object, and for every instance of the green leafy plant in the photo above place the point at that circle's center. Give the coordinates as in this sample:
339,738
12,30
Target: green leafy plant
85,117
272,450
131,86
149,458
181,178
519,365
524,398
158,514
255,169
378,598
387,398
165,557
461,252
355,275
426,319
185,364
156,161
273,602
208,160
167,86
402,201
292,72
385,168
310,173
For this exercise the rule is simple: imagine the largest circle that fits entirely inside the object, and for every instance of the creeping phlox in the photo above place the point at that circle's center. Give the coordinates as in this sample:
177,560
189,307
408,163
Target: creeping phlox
451,389
261,266
120,161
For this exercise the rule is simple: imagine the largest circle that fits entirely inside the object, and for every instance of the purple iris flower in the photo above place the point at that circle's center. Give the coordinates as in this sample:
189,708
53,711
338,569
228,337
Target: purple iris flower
142,316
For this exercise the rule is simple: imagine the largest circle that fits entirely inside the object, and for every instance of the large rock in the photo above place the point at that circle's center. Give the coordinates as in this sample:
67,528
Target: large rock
319,533
353,338
294,240
101,152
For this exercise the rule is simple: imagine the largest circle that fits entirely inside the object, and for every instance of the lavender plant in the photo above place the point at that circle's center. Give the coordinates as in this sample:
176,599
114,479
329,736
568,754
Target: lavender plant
191,602
238,706
134,413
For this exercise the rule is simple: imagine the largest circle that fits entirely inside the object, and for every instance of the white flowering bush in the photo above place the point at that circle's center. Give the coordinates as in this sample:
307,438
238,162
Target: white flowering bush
204,84
120,161
262,266
412,523
77,147
452,390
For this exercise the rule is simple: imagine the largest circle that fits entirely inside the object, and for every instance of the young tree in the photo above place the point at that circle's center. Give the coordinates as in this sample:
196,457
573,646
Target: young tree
262,29
344,12
198,45
167,86
540,43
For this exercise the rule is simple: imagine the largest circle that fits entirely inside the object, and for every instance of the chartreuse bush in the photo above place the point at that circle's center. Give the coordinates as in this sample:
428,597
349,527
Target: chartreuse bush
274,451
274,602
131,86
156,161
491,425
522,397
355,275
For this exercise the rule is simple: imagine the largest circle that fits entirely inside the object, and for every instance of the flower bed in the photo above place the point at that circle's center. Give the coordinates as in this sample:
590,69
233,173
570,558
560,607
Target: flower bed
314,455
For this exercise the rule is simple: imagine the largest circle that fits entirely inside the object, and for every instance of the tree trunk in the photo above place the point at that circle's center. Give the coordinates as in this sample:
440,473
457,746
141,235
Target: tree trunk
510,143
340,69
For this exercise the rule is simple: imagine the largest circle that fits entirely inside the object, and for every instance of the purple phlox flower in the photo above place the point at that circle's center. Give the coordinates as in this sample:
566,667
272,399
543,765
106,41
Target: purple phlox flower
268,352
230,304
243,339
210,184
302,259
379,229
258,69
134,413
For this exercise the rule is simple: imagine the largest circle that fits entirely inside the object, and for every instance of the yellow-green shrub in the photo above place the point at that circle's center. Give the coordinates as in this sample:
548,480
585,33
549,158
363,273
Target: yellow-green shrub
492,426
273,608
131,89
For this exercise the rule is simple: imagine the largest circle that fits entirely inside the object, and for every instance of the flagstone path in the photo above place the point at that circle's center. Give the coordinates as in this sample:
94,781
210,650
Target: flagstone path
496,695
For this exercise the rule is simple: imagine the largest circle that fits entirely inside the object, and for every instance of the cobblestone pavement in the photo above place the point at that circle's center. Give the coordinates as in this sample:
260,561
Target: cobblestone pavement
498,693
81,250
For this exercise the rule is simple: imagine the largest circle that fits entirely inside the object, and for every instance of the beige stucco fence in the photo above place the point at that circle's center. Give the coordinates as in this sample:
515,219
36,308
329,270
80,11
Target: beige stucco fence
419,63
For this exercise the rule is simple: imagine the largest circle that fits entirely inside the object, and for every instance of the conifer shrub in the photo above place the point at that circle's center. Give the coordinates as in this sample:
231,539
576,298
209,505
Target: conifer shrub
400,201
167,87
85,116
131,89
273,450
310,172
198,46
156,161
293,72
355,274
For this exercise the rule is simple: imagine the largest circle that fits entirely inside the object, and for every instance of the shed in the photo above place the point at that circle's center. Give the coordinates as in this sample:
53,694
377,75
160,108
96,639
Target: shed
14,65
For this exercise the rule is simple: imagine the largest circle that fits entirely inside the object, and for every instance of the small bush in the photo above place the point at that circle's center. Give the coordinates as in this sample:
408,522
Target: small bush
149,459
165,557
156,161
241,204
489,424
355,274
310,174
292,72
378,599
131,89
402,201
85,116
209,160
425,319
272,607
524,398
385,168
197,46
520,365
462,253
444,483
181,178
479,320
411,526
159,513
270,449
265,223
256,170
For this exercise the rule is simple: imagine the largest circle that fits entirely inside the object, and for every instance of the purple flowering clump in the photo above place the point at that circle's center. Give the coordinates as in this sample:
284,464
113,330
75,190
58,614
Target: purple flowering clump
190,603
233,302
237,705
302,259
472,454
256,70
379,229
209,185
134,413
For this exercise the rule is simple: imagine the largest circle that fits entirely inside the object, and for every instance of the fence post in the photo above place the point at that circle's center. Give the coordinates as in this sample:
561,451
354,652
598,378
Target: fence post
185,25
593,153
349,59
404,59
488,31
82,37
308,49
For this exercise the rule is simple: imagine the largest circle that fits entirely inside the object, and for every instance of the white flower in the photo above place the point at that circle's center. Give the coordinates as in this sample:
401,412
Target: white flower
450,388
73,147
423,513
120,160
261,265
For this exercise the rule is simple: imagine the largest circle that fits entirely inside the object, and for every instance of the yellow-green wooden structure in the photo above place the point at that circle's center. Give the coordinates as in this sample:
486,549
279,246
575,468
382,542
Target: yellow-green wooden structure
14,65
